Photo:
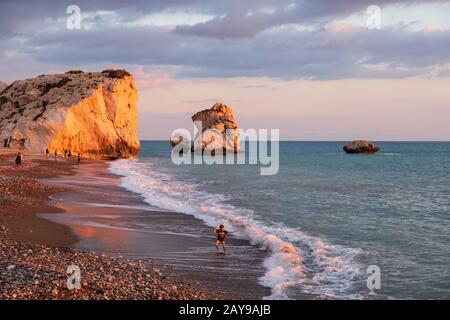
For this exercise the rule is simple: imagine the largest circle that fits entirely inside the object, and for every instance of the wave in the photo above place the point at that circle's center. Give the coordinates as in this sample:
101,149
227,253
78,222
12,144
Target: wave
296,260
120,206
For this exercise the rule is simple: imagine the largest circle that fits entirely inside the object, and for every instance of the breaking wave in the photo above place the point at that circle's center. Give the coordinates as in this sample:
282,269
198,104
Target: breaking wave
295,261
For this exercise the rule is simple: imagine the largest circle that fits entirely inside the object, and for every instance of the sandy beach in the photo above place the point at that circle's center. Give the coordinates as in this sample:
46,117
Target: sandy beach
35,252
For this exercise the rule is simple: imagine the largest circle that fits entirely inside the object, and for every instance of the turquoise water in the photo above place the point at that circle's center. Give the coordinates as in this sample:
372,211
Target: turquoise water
325,217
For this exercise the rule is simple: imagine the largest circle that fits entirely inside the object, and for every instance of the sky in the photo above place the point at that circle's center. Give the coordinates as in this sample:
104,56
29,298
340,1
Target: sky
315,70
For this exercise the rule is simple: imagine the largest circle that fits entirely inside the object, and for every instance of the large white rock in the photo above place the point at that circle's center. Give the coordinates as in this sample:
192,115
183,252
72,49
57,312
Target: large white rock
93,113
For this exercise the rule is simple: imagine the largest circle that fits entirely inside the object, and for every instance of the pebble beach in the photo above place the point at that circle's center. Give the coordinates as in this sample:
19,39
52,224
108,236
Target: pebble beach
35,253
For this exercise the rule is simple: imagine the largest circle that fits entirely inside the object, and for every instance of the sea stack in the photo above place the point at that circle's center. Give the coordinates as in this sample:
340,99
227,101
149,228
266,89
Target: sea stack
94,113
178,138
361,146
219,129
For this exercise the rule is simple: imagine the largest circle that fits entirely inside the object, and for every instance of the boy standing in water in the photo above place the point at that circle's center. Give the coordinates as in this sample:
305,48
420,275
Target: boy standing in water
221,233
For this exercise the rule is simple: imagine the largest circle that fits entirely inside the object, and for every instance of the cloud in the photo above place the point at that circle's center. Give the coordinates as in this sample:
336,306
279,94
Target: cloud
264,38
329,53
233,18
152,79
251,18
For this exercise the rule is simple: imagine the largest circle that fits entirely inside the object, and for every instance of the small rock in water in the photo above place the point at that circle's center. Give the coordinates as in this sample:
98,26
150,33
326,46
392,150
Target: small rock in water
361,146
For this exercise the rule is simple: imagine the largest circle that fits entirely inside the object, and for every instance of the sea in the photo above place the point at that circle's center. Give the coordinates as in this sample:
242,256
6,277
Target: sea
332,225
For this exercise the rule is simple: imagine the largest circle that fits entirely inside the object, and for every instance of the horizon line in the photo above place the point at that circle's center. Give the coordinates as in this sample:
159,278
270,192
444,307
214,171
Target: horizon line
440,141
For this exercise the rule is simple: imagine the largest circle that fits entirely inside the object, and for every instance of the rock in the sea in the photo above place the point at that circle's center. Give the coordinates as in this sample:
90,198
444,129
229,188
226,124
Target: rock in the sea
93,113
178,138
219,129
2,86
361,146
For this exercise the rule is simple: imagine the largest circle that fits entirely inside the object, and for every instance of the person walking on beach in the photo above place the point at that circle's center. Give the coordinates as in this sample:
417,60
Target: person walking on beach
221,234
79,157
18,159
47,152
56,154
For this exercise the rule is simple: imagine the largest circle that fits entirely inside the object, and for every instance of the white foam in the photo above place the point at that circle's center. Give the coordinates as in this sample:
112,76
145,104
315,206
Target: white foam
119,206
296,260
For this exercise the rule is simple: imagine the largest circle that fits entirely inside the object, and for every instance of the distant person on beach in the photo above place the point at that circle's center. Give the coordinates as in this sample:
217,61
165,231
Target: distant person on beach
79,157
221,233
56,154
69,154
18,159
47,152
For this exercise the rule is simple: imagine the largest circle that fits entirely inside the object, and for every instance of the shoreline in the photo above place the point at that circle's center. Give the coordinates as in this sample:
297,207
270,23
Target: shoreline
35,252
107,217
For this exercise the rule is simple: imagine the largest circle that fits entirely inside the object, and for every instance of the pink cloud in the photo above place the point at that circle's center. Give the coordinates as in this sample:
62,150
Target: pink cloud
429,28
341,27
151,80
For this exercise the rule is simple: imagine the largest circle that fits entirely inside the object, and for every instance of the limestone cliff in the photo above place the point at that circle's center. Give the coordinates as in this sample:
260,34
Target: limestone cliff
219,128
94,113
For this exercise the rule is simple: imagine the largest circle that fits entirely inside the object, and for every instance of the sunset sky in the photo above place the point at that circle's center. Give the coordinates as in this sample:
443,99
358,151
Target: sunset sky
312,69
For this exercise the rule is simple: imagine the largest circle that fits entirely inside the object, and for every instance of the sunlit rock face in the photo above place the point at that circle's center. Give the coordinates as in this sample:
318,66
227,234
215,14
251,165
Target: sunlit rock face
219,129
93,113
